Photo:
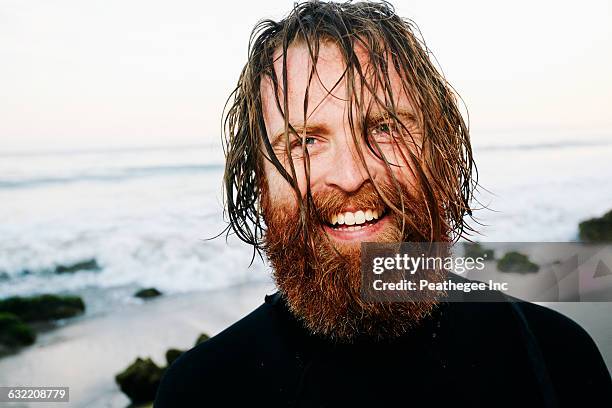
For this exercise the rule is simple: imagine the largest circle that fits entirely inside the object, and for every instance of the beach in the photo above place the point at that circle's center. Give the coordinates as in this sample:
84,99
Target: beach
88,352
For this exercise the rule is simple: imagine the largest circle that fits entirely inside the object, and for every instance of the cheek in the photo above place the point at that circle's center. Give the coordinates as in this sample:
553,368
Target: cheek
404,167
406,177
399,154
279,189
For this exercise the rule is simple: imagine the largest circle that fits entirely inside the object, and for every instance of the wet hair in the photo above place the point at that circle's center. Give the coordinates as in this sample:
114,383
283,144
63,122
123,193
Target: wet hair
443,166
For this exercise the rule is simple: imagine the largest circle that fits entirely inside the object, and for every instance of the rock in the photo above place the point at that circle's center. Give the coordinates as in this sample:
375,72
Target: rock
140,380
202,338
147,293
516,262
14,332
87,265
475,250
173,354
597,229
43,307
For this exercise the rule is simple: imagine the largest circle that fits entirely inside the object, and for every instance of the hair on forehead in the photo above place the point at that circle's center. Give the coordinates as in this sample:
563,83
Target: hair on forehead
373,42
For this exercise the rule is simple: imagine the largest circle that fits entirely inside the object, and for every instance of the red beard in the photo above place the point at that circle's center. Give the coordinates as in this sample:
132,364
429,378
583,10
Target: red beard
320,277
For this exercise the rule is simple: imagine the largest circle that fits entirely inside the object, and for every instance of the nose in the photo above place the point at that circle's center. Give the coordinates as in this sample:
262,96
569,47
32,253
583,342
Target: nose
346,171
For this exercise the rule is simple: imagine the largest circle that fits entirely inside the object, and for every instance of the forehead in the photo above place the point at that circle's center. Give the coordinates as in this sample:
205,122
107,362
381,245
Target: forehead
328,86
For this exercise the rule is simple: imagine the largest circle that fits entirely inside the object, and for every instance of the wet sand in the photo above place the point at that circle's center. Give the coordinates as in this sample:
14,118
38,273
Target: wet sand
88,352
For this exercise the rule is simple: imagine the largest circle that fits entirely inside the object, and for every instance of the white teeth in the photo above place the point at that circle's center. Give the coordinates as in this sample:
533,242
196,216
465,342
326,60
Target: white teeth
359,217
349,218
356,218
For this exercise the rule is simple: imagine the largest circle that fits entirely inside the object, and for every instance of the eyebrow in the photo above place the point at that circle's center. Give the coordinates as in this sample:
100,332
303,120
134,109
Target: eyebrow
402,114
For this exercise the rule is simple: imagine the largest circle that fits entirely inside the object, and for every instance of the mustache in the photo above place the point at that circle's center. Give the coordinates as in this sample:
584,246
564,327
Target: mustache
329,203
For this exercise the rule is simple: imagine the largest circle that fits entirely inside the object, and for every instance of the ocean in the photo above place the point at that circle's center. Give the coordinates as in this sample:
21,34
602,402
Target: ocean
147,215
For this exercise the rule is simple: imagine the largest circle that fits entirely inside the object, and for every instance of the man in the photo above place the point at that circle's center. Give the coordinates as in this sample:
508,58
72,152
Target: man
342,131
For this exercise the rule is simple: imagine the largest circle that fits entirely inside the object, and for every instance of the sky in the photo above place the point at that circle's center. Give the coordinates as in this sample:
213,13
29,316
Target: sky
88,74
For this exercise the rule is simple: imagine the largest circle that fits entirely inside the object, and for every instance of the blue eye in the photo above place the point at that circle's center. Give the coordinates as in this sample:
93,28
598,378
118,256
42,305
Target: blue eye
383,127
308,141
382,130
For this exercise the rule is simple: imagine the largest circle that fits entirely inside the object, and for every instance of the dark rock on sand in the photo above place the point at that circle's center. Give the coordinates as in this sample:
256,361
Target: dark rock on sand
87,265
147,293
202,338
172,354
597,229
14,332
476,250
140,380
43,307
516,262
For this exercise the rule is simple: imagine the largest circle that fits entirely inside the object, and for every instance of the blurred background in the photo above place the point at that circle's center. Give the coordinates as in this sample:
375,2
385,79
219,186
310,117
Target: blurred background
111,161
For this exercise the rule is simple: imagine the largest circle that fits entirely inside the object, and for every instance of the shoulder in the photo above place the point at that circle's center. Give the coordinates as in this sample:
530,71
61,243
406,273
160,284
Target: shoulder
206,366
573,361
550,322
554,330
229,365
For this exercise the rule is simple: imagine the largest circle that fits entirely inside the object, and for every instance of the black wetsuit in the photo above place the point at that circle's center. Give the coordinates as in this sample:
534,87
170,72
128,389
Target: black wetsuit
512,354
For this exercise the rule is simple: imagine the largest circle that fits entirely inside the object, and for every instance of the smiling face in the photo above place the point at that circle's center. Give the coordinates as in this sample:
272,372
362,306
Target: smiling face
333,148
349,194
